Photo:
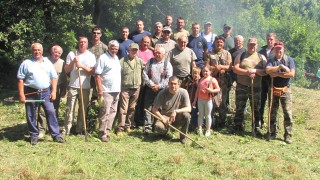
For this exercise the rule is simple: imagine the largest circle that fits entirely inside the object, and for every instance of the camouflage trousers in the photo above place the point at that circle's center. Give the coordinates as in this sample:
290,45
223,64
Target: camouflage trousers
222,110
243,93
286,103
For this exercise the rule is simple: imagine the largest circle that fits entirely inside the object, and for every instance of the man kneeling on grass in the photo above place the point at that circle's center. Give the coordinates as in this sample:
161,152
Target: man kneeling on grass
175,108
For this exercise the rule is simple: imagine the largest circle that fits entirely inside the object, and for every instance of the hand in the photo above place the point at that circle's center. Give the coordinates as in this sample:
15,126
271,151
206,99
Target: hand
155,87
194,103
284,68
172,117
53,96
63,92
208,90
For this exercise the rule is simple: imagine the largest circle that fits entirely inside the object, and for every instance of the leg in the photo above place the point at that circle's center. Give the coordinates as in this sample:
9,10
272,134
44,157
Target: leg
201,109
80,125
286,103
242,93
134,95
273,116
71,100
31,109
41,122
124,103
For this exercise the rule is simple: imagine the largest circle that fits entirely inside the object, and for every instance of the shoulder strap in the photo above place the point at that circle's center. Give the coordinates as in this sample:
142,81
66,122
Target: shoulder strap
286,60
260,57
242,56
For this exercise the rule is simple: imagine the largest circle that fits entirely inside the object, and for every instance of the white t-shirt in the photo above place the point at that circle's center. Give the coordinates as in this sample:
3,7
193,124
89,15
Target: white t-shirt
89,60
209,37
109,69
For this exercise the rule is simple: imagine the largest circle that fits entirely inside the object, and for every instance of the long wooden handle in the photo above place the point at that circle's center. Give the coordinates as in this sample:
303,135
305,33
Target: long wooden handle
174,128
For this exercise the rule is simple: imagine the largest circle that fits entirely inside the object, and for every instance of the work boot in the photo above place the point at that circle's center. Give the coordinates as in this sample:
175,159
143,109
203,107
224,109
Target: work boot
58,139
105,139
288,139
128,130
34,141
258,132
119,132
183,139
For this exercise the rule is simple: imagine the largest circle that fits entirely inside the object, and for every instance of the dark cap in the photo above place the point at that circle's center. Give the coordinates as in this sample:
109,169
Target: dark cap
227,26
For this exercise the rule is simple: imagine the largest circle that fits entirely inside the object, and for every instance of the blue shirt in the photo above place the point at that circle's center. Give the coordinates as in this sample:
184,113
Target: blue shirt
123,47
279,81
137,37
198,45
37,75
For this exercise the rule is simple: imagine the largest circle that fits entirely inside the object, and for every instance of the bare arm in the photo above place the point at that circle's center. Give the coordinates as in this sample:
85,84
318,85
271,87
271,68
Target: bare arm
99,85
22,97
54,82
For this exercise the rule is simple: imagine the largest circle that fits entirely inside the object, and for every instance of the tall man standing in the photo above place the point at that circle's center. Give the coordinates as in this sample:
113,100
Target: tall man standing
168,21
219,61
175,108
157,34
281,68
182,60
108,78
165,42
268,52
249,66
124,43
38,76
83,60
131,68
227,34
156,75
180,30
137,35
209,35
198,44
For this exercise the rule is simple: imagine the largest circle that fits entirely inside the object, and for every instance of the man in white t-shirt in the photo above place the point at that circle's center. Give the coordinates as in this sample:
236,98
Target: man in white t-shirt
85,61
208,34
108,79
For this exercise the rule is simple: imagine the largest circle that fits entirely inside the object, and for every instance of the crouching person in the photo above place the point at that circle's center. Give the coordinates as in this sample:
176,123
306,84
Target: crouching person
108,81
175,108
131,68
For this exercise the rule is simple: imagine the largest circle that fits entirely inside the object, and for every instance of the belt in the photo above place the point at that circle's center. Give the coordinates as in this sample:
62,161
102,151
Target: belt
31,90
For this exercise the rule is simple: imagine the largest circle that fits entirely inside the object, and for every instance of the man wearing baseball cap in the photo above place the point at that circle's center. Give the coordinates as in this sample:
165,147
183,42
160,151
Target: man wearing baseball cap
165,42
249,67
281,68
208,34
131,68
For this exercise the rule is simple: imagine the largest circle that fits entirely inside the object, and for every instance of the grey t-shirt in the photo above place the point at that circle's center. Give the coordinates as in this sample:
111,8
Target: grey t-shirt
168,102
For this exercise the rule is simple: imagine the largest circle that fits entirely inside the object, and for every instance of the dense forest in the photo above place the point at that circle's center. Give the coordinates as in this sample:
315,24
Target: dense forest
296,22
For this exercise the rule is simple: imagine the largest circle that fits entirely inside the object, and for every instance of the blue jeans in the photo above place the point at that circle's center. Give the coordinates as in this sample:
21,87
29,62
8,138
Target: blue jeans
31,113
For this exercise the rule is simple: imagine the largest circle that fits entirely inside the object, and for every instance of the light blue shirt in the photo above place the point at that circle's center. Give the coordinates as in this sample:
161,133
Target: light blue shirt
109,69
37,75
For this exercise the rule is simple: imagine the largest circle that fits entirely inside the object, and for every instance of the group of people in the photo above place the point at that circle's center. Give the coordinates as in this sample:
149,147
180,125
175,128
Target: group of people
181,78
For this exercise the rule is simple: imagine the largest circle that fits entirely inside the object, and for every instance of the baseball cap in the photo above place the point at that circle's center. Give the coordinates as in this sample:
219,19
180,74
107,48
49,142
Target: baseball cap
134,46
208,23
166,28
252,41
279,44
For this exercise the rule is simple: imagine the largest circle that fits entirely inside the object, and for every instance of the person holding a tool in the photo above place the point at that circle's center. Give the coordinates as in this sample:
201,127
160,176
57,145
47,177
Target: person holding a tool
83,60
175,108
249,67
108,79
37,81
281,68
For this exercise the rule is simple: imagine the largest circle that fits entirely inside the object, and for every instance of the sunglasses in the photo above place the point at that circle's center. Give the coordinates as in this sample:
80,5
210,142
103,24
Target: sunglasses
168,32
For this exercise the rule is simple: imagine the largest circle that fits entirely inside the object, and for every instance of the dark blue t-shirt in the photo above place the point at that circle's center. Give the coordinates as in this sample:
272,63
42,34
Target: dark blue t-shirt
198,45
279,81
123,47
137,37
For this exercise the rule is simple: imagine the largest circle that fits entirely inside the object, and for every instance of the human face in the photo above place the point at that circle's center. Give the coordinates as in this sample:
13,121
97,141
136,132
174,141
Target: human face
174,86
140,26
37,51
252,47
145,43
168,20
238,43
180,23
124,34
113,50
182,43
96,34
166,35
227,31
279,52
218,44
208,28
270,41
205,72
158,54
133,52
195,75
158,28
56,53
83,44
195,29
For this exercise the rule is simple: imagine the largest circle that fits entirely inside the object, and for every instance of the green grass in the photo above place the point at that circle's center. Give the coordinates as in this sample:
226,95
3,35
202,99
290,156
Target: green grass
135,156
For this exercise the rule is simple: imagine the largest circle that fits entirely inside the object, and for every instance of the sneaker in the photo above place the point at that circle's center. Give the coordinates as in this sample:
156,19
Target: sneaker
105,139
41,135
208,133
34,141
288,139
58,140
199,132
119,133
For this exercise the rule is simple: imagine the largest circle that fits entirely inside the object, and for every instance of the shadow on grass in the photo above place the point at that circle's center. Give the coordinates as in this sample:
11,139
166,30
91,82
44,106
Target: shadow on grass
14,133
152,137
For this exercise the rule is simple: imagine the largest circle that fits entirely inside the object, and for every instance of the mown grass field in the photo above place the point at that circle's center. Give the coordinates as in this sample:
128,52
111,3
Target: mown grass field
135,156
